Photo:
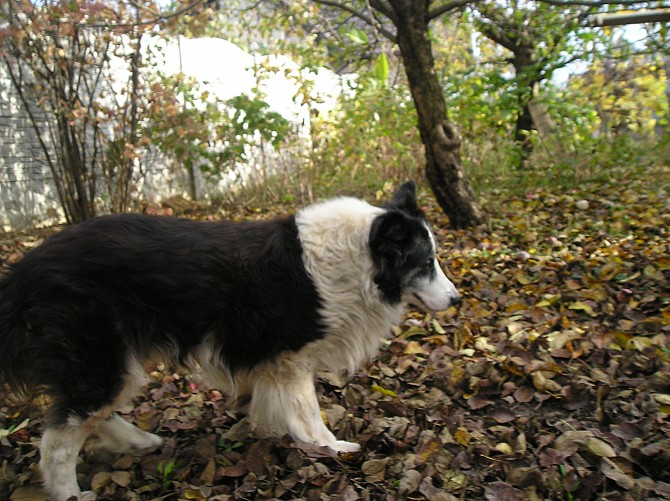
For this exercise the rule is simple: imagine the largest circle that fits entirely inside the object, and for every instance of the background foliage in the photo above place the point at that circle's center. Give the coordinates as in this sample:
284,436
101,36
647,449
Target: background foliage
608,107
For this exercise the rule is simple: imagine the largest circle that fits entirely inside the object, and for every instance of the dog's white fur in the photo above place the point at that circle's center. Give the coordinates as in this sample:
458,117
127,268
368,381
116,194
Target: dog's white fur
353,311
337,259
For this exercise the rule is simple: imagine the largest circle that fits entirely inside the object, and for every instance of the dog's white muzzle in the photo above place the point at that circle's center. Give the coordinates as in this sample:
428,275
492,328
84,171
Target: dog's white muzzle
437,294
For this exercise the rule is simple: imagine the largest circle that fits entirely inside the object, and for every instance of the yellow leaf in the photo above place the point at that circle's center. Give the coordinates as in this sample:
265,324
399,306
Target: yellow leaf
437,327
437,339
462,436
662,399
610,270
514,307
600,448
193,494
639,343
427,450
651,272
482,344
415,330
505,448
457,374
549,299
384,391
597,293
414,348
581,306
522,278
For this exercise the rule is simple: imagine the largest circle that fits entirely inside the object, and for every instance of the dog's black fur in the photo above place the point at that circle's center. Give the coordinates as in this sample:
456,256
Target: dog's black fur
92,294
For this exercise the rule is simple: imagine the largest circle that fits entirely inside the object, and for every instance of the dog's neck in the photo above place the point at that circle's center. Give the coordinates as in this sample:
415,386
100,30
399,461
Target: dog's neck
334,237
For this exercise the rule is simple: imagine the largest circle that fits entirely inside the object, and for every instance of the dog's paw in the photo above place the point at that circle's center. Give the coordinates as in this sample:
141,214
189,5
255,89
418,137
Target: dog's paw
146,442
139,443
87,496
344,446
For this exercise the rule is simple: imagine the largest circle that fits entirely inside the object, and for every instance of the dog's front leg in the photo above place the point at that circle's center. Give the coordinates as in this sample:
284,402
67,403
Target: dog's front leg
284,401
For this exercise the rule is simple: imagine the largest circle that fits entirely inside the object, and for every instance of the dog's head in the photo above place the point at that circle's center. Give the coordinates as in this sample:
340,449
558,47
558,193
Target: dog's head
403,252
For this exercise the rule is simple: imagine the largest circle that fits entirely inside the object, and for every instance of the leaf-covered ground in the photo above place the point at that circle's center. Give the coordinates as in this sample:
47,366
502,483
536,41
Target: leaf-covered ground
550,381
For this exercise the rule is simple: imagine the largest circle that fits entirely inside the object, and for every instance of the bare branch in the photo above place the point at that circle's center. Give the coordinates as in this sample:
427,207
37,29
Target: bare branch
590,3
161,18
360,15
621,18
448,7
385,8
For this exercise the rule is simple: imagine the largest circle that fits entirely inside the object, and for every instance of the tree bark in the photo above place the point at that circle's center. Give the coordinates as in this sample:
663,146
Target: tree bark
666,68
523,61
440,137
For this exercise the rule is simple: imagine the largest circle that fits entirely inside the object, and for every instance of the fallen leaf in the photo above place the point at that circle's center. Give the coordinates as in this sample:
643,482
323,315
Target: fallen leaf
100,479
121,478
600,448
427,450
374,469
383,391
612,471
571,441
409,482
502,415
502,491
208,474
238,470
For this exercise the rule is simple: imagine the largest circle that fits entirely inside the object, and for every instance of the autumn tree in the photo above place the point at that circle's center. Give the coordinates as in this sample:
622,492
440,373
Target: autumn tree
538,38
546,35
200,131
57,55
76,69
653,50
406,23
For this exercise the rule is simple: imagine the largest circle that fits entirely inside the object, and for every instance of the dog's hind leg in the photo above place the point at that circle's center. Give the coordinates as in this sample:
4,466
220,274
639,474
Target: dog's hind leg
284,401
115,433
83,399
118,435
58,458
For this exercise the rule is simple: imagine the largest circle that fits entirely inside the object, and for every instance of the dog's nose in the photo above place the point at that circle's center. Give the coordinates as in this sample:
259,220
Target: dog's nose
455,299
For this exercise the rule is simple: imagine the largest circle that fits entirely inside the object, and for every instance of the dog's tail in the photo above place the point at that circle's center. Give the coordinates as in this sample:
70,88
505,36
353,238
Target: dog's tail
14,337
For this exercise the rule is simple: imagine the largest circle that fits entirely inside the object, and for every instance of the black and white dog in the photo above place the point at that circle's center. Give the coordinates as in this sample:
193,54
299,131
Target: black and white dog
259,306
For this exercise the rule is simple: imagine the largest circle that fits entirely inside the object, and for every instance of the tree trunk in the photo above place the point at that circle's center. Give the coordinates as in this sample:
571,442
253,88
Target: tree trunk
440,137
192,183
523,61
546,128
523,129
666,67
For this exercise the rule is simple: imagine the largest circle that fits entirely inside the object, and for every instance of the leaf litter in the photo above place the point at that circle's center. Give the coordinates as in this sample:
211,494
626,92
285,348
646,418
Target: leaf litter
550,381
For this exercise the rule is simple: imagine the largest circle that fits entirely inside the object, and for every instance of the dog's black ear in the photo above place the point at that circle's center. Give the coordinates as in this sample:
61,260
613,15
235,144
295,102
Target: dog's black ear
390,239
405,199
